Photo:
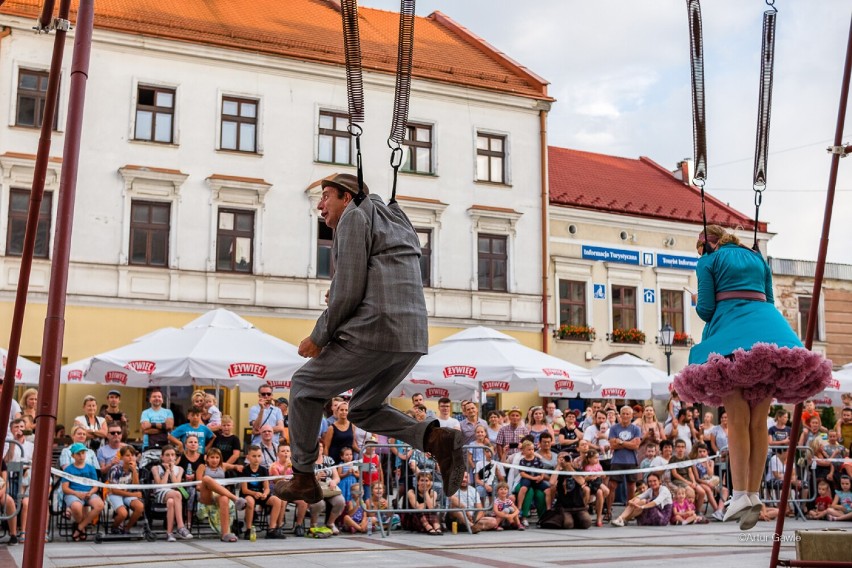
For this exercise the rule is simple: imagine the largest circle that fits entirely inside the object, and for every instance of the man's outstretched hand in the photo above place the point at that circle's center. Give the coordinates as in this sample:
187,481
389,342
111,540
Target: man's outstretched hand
307,348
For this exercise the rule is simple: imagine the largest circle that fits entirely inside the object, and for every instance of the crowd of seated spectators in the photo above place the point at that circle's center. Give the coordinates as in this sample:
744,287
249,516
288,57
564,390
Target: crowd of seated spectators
516,466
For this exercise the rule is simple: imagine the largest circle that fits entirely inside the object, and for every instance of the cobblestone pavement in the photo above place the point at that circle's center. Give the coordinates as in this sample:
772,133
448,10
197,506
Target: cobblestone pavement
715,544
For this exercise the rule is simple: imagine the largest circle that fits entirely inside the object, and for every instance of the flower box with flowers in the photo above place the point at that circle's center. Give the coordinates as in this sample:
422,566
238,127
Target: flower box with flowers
682,339
576,332
631,335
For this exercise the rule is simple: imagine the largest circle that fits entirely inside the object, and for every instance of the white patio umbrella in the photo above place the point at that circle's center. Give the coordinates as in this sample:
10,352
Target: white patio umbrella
218,348
626,376
841,383
77,373
495,362
435,389
26,372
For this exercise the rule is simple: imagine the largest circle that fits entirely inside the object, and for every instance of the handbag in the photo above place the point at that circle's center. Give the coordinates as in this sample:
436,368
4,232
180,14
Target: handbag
552,519
328,491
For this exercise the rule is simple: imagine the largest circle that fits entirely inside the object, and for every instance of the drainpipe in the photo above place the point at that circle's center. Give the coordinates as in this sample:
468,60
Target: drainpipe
545,206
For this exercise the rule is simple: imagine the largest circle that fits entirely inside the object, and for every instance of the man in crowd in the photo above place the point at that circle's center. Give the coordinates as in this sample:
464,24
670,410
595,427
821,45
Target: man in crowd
554,416
445,405
14,453
843,427
598,433
368,339
591,411
417,398
113,413
156,422
679,429
468,498
624,439
471,421
108,453
509,437
268,450
265,412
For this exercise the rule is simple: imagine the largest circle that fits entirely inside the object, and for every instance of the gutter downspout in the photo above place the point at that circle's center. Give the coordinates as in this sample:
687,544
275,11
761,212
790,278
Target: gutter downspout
545,204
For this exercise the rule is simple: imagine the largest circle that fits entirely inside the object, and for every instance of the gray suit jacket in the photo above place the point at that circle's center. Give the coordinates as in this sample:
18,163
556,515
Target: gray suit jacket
376,297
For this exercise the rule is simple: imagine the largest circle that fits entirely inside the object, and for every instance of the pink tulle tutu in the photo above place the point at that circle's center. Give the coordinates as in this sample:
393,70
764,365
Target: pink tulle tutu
787,374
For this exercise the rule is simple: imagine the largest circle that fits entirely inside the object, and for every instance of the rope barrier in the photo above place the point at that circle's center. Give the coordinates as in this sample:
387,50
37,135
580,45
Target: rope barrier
676,465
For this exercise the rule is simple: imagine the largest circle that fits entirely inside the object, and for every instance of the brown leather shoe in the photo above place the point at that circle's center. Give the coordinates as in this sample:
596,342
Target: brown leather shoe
445,445
303,487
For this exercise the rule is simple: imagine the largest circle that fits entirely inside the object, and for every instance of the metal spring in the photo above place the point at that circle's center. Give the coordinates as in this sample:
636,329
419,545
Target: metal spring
699,124
405,50
767,63
352,50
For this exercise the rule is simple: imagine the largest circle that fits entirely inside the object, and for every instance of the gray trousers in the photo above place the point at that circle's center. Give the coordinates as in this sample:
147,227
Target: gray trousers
339,367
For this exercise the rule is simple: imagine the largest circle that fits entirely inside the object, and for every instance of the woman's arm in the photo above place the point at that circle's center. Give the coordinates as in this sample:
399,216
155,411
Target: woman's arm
326,439
706,305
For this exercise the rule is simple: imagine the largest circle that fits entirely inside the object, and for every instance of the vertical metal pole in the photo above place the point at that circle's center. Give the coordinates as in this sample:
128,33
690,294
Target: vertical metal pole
48,399
36,195
818,274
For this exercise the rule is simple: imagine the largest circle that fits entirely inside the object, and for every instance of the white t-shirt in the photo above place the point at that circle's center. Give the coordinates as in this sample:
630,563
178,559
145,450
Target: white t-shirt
449,423
13,413
16,456
683,433
591,434
775,466
469,498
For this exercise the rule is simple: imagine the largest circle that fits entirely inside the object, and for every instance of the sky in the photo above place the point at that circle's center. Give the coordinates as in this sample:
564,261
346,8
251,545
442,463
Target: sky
620,74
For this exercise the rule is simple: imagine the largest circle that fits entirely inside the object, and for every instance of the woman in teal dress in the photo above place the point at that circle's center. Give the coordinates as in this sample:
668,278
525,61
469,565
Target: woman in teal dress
748,355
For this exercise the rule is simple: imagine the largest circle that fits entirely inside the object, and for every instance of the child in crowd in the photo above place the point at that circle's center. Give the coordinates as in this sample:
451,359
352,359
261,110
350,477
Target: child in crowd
505,510
650,453
371,469
211,492
841,508
641,487
125,503
81,495
282,466
683,510
707,481
487,474
822,503
534,483
348,473
169,472
378,502
258,493
596,491
354,517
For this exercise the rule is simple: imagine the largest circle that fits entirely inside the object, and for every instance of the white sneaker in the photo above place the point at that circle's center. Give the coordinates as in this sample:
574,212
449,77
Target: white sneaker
719,515
184,534
617,522
736,508
750,516
170,537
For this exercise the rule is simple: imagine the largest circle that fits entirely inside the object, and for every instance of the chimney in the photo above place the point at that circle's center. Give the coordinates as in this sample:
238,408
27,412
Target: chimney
685,171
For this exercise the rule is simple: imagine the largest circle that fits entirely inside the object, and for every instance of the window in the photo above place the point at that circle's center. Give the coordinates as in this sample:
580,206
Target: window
804,312
671,309
335,142
19,202
325,236
149,233
234,240
623,307
155,110
425,236
418,138
32,94
490,158
493,260
572,302
239,124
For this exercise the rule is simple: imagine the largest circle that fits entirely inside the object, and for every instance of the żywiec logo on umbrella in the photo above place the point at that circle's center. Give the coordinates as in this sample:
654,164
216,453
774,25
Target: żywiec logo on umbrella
460,371
247,369
833,384
75,375
285,385
614,393
495,385
115,377
437,393
144,367
563,385
555,373
18,373
421,382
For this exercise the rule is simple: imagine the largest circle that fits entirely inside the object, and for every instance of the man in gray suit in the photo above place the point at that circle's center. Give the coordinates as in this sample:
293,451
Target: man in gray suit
368,339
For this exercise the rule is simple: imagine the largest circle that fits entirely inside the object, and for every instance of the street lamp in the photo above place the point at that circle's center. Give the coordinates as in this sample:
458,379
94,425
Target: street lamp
667,338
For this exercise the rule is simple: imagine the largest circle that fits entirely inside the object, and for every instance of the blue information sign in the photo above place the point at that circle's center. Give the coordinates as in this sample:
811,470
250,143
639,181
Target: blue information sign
610,254
674,261
650,295
600,291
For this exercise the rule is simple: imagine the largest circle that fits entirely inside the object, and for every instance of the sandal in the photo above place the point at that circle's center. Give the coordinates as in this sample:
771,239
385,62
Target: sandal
76,535
432,531
230,537
22,537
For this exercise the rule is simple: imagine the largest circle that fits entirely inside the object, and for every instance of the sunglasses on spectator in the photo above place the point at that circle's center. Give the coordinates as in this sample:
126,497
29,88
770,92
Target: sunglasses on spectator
115,433
266,394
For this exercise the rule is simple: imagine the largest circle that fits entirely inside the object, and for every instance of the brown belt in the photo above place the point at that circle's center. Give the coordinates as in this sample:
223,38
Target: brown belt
741,295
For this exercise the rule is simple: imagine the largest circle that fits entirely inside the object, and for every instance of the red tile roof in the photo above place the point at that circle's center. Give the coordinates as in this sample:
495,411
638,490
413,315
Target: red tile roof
631,187
311,30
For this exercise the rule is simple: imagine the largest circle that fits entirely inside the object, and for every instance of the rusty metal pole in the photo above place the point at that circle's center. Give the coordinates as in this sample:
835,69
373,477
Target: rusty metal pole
54,327
818,274
36,194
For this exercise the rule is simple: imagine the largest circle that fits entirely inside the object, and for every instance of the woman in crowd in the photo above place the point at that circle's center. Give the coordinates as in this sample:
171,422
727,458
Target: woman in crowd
673,407
480,442
421,496
211,492
28,402
78,435
340,434
494,425
747,356
538,425
652,430
570,435
96,427
651,508
719,436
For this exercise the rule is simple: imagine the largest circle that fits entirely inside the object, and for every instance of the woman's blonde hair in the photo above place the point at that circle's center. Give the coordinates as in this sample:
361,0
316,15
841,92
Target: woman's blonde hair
27,394
718,235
